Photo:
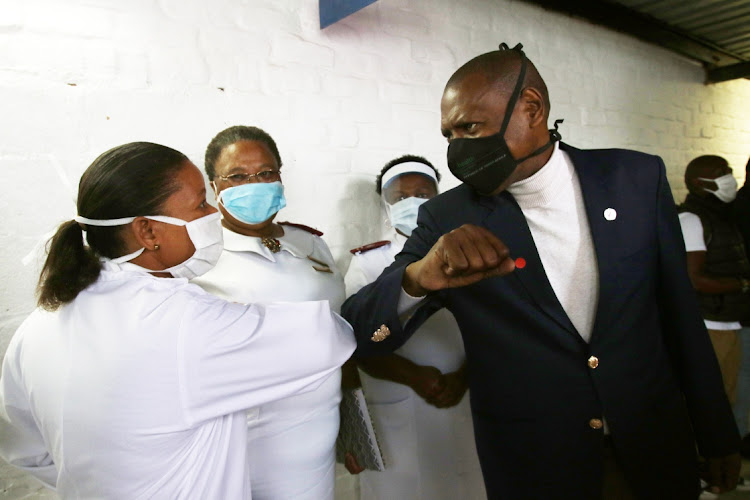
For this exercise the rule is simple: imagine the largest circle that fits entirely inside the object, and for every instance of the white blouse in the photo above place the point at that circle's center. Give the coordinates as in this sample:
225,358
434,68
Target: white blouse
303,269
138,388
290,443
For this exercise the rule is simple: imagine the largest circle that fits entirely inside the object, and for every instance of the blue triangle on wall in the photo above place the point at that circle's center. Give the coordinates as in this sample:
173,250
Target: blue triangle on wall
332,11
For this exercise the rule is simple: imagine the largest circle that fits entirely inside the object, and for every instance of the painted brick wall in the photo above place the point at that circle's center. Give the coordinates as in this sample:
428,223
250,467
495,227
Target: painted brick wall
80,76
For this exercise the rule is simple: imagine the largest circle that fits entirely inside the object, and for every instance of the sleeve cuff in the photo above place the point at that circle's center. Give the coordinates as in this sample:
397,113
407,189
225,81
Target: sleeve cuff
407,305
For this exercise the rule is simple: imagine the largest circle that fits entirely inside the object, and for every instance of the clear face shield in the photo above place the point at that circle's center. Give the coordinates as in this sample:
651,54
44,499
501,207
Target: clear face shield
406,187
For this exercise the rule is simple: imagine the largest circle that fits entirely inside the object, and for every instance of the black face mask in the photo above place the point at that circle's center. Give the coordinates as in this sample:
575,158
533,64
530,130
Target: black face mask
485,163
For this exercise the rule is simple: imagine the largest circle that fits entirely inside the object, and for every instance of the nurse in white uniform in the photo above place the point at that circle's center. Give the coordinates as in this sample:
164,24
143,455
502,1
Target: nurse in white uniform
416,395
290,442
129,382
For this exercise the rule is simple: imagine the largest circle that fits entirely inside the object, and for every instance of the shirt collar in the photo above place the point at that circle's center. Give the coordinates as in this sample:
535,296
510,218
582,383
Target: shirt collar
296,242
128,267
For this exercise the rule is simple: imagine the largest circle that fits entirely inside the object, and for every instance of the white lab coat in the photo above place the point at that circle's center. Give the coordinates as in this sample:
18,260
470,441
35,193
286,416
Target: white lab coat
290,443
430,452
138,388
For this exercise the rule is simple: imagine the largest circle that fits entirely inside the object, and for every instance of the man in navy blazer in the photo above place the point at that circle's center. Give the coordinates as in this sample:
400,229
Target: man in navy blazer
590,371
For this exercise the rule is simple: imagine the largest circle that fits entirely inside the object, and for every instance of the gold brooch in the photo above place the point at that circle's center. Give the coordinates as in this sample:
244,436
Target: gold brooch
272,244
380,334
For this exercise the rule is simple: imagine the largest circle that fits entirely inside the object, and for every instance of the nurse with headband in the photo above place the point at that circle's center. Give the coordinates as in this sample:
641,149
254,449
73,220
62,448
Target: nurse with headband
417,396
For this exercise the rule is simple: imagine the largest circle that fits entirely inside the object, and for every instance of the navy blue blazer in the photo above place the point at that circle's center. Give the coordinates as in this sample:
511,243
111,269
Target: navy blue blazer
533,392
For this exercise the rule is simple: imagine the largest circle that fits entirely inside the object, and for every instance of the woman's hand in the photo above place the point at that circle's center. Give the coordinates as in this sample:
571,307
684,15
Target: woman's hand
351,464
426,381
455,388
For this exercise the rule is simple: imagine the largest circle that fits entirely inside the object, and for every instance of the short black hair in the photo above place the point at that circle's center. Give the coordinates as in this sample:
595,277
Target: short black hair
399,161
235,134
699,167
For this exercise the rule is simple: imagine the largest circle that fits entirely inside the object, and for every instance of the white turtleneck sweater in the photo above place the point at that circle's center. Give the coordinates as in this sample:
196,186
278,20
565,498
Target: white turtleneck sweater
552,203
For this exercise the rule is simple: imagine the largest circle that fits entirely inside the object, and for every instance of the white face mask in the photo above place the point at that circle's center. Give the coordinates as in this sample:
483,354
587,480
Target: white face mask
205,233
403,214
727,187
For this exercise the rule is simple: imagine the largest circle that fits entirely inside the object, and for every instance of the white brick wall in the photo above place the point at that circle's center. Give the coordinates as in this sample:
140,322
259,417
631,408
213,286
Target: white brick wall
80,76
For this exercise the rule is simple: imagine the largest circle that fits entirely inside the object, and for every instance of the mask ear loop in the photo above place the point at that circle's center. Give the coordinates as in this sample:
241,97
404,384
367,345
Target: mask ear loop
553,133
516,91
518,48
554,136
217,194
514,98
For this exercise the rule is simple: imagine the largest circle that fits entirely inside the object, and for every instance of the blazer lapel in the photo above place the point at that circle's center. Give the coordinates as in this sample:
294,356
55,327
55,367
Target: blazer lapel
507,221
601,212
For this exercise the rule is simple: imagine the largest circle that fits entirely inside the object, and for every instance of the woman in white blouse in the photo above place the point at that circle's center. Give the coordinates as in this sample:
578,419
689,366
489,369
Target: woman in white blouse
129,382
290,442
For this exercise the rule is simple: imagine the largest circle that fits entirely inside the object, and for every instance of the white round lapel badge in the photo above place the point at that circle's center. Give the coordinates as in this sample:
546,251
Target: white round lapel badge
610,214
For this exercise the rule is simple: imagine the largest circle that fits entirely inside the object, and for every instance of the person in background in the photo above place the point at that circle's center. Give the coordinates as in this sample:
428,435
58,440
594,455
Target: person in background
741,218
590,371
416,395
290,442
128,381
717,262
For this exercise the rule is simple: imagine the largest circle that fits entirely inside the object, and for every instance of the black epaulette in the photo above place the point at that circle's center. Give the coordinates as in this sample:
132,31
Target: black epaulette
368,247
303,227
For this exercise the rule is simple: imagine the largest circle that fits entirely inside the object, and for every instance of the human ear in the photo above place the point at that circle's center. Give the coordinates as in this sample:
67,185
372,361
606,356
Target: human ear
534,107
145,233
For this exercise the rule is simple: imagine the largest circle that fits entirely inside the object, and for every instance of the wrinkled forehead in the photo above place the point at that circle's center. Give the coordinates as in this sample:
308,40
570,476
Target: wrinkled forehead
470,94
468,87
246,151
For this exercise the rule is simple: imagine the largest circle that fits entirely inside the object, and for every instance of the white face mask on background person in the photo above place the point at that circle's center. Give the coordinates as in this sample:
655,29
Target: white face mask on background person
403,214
205,233
726,187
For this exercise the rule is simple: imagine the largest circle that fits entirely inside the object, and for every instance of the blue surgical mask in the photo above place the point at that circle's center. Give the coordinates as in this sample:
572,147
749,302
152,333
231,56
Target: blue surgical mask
253,203
403,214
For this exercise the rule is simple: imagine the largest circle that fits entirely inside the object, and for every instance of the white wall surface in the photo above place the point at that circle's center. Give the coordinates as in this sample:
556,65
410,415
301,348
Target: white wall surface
78,77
